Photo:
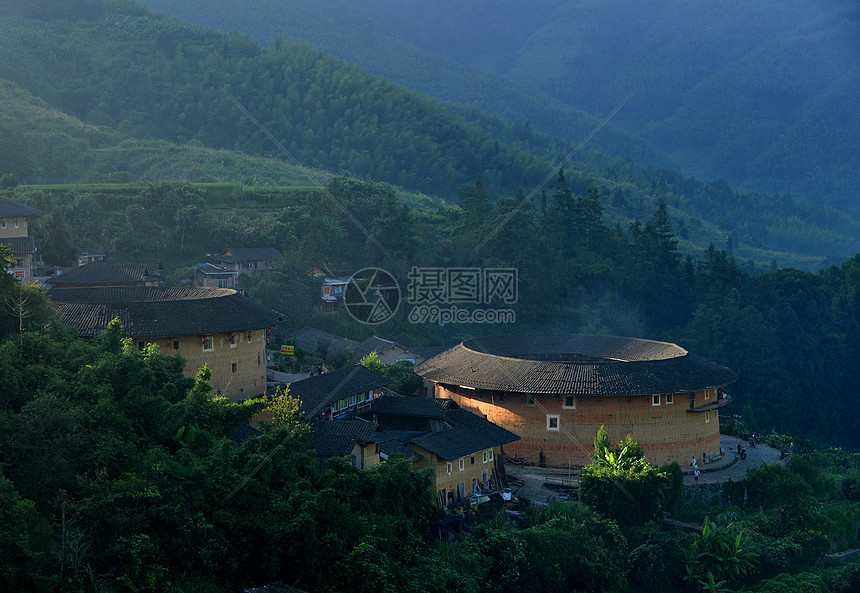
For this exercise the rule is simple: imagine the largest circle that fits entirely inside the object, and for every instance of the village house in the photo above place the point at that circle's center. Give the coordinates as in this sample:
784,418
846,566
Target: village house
215,276
323,344
89,255
107,273
463,450
217,327
390,352
556,391
338,394
14,234
332,293
357,440
248,260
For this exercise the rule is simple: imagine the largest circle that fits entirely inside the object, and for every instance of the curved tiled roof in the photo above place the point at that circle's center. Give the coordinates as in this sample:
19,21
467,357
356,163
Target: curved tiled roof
574,364
156,311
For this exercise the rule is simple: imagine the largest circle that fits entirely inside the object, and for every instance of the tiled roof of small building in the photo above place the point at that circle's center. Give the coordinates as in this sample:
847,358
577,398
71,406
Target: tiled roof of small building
245,254
463,432
211,269
574,364
155,311
331,445
111,271
12,208
467,434
421,407
19,244
320,390
310,339
394,446
373,344
362,431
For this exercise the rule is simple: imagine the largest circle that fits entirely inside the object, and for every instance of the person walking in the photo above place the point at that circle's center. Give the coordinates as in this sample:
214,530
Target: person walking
696,476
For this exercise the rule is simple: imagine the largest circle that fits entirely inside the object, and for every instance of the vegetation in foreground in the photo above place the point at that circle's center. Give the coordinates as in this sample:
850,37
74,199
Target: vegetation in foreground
119,473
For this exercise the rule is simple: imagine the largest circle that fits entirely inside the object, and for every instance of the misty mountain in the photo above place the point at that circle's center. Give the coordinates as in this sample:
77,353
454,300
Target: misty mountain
116,67
759,94
157,78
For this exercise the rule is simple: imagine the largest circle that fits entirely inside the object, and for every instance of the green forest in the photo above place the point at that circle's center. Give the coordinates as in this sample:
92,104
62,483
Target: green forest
755,93
120,474
150,138
152,93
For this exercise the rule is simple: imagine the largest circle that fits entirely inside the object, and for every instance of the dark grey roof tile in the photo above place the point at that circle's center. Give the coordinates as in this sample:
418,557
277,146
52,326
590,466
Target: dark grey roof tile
361,430
392,405
155,311
573,364
328,445
110,271
19,244
12,208
247,254
319,391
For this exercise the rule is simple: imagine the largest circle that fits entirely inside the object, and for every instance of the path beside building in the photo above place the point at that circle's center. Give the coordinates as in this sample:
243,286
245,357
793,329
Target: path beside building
535,479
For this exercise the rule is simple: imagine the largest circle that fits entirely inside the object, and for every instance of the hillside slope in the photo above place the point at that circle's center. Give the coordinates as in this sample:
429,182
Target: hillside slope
154,77
757,93
41,144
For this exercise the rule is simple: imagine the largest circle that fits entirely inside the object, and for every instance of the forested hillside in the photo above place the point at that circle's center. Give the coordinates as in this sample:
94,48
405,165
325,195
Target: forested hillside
41,144
755,93
158,78
147,78
119,473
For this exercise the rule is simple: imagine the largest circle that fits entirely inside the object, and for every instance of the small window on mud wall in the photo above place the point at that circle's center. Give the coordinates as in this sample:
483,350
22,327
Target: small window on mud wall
569,402
530,400
462,464
234,367
670,399
655,399
552,421
449,467
208,343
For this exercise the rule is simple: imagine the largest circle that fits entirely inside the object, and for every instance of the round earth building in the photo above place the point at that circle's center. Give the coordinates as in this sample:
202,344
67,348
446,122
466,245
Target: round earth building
555,391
